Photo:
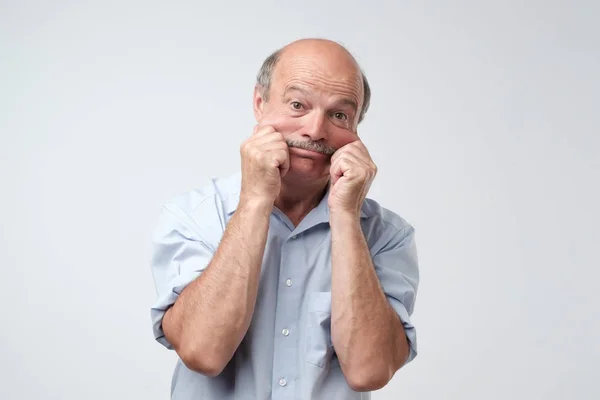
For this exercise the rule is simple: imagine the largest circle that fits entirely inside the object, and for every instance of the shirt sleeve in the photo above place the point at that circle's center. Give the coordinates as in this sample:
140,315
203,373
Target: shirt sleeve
179,255
396,265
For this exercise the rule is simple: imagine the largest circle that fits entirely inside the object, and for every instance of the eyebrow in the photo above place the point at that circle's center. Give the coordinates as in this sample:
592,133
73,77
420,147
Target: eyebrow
342,102
293,88
348,102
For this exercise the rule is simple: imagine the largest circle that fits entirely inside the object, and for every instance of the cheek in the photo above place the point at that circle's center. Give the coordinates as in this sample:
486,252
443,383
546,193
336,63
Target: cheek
281,121
287,125
341,137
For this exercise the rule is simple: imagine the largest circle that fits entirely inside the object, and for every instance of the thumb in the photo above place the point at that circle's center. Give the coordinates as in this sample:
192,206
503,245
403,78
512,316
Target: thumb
285,166
335,172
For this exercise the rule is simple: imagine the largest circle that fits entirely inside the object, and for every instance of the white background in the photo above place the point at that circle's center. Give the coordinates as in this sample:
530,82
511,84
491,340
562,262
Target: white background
484,123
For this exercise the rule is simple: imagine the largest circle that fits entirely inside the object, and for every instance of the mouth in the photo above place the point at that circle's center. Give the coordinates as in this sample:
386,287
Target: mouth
308,153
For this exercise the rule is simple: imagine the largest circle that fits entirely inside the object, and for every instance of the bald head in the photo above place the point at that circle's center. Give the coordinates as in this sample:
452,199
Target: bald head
320,49
315,56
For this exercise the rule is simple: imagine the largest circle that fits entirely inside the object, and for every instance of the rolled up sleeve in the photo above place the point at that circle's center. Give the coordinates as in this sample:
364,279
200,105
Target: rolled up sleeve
179,255
396,265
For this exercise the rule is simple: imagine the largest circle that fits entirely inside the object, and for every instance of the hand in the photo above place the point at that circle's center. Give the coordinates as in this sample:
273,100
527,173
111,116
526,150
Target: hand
265,160
352,172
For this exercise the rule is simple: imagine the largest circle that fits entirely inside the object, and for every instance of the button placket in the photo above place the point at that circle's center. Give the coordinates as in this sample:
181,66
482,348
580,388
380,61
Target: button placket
285,365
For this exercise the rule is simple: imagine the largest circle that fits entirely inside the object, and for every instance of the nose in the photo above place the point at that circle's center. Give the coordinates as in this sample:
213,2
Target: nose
314,126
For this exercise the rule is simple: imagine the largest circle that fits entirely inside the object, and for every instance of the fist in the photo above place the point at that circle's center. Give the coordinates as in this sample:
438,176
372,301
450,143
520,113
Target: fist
265,160
352,172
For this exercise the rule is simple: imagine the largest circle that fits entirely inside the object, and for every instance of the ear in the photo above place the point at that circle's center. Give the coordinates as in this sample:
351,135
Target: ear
258,103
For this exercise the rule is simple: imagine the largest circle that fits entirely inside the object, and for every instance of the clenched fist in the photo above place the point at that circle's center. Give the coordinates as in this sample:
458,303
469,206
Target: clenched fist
352,172
265,160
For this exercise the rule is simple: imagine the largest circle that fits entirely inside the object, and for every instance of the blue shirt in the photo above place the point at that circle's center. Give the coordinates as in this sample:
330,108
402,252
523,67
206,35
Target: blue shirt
287,352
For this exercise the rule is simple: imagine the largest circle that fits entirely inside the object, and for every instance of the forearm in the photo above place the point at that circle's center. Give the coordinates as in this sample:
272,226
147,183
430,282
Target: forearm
211,316
366,332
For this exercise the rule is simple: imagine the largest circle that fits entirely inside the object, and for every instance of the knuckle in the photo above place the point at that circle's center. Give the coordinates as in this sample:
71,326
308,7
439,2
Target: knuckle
275,136
250,152
261,131
259,155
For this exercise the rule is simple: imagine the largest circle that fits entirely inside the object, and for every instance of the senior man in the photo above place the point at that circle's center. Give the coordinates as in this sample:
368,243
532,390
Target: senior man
284,281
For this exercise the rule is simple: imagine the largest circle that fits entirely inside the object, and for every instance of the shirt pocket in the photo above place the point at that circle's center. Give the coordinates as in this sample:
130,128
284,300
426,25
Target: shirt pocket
320,350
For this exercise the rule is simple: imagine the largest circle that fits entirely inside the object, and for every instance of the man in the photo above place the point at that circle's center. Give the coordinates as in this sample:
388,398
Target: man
284,282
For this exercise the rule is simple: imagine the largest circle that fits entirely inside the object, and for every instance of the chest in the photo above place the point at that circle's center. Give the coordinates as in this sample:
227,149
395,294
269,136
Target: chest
292,317
296,264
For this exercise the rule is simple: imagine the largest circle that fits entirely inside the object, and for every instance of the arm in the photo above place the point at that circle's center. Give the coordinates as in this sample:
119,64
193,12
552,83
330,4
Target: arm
366,332
211,316
372,294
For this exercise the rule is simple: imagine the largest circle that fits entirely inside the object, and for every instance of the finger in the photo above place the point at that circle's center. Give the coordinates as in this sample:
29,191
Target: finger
359,144
273,145
362,161
340,168
359,149
263,141
260,130
269,138
351,167
353,159
350,153
264,135
285,166
281,160
257,137
335,172
340,152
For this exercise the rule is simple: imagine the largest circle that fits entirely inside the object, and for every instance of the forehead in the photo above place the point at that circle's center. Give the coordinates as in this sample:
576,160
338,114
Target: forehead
326,73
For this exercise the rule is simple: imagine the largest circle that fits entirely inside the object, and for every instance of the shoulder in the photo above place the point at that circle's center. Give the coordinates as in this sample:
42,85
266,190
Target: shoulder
375,213
206,209
224,190
381,225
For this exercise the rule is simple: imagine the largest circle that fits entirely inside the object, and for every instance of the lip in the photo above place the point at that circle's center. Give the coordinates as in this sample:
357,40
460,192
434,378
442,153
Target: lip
307,153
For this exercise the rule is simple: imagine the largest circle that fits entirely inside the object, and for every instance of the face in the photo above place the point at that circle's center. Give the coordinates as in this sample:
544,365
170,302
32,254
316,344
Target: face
315,104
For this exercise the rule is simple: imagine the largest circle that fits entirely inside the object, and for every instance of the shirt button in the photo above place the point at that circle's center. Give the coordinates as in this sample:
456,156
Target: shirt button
282,382
288,282
285,332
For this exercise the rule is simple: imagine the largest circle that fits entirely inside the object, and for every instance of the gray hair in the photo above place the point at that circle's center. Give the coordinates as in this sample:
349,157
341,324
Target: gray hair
265,77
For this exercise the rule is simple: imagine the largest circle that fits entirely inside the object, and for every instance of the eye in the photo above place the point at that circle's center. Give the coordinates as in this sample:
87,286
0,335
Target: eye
296,105
341,116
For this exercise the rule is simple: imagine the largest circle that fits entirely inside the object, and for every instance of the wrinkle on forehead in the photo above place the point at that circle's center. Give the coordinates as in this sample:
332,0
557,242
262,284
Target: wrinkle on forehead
317,81
322,65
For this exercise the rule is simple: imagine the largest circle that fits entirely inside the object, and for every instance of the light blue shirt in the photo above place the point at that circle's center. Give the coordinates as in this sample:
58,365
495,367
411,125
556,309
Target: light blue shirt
287,352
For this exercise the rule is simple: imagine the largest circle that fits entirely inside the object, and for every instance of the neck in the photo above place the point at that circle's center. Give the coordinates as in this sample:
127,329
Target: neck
297,200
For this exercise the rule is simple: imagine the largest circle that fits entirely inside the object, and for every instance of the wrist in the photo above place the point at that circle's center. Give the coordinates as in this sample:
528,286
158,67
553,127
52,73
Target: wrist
343,218
255,205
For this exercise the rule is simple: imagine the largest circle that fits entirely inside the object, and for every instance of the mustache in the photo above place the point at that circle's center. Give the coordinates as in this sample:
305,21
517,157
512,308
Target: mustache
311,145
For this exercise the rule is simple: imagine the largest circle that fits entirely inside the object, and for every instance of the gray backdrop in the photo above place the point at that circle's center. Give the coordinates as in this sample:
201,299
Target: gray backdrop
484,124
